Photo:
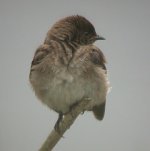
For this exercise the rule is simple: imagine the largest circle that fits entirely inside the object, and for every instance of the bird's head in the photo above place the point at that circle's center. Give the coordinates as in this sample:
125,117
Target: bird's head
73,29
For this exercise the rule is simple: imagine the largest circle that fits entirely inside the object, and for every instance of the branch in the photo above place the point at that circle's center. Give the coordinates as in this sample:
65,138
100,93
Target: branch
65,124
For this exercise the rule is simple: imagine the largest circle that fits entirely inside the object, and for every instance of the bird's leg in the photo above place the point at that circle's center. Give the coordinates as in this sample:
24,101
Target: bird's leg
60,117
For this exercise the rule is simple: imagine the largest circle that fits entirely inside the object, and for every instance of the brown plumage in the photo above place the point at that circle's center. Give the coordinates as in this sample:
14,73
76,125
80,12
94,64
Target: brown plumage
68,67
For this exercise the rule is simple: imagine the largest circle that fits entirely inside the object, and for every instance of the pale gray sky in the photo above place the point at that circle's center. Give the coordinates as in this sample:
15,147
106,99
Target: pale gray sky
25,122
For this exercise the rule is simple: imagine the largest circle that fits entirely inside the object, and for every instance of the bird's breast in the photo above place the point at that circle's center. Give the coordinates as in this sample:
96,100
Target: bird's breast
67,87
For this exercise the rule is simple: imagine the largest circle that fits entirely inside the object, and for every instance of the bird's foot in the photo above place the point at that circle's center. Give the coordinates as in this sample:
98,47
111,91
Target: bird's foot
56,127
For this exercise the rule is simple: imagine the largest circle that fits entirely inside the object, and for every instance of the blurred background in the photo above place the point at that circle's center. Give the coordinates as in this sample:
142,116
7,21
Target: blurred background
25,123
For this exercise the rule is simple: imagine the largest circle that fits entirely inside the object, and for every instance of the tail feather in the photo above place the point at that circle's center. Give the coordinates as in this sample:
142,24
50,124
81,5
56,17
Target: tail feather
99,111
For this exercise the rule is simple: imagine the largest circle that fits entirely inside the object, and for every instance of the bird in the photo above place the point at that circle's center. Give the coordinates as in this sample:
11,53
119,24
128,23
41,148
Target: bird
67,67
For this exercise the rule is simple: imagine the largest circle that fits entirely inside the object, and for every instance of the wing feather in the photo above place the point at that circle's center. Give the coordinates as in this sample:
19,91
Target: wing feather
98,58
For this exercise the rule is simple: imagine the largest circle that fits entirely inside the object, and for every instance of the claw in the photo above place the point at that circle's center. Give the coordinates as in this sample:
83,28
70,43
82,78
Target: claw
56,127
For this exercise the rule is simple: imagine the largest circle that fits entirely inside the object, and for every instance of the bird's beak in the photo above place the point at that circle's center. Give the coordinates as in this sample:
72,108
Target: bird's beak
99,38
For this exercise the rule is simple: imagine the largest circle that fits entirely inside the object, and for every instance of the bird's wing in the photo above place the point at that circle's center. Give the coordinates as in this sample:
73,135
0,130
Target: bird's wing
89,54
40,54
98,58
85,57
40,60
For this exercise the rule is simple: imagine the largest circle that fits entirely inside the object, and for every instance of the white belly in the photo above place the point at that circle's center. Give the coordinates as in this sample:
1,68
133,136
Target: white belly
65,89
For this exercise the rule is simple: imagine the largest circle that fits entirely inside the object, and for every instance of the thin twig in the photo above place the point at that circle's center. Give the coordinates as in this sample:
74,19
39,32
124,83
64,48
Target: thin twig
65,124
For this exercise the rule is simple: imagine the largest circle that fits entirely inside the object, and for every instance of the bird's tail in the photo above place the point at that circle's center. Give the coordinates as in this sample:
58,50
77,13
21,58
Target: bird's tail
99,111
